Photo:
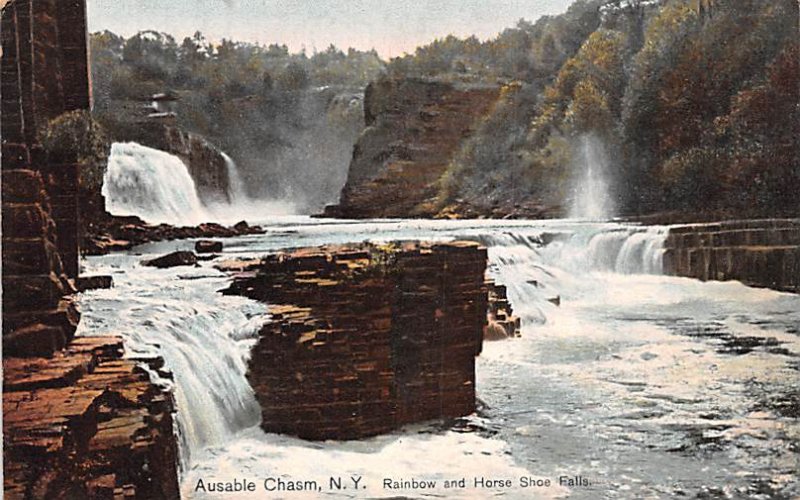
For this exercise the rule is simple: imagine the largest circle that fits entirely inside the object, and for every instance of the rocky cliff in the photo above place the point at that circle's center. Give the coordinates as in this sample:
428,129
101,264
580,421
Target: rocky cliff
414,128
762,253
365,339
78,420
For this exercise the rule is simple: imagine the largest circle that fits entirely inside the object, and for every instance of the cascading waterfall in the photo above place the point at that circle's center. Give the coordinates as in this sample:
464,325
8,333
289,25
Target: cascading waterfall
157,187
151,184
592,196
203,337
622,250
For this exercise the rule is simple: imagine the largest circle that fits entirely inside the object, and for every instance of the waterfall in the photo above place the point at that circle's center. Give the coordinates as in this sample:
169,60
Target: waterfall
237,193
616,249
592,197
157,187
609,248
151,184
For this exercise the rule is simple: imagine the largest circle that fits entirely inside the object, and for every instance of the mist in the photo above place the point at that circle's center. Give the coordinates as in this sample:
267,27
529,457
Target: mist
304,157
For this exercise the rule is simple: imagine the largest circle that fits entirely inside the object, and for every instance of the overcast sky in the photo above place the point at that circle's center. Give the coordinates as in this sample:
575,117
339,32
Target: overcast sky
392,27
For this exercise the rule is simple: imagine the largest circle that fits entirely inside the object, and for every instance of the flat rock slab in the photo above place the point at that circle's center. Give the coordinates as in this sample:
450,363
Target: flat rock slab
87,421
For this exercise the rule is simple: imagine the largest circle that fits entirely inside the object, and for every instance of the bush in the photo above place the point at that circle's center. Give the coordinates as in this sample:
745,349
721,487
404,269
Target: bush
75,137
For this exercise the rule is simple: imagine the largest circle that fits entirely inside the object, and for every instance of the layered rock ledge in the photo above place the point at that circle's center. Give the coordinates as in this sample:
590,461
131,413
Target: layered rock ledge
107,233
761,253
86,423
365,338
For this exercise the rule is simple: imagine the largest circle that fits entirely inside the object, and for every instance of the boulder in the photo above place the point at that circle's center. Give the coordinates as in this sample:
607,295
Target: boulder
83,283
181,258
494,331
208,246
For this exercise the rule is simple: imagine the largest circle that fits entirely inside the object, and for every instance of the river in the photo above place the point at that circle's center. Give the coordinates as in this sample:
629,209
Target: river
641,385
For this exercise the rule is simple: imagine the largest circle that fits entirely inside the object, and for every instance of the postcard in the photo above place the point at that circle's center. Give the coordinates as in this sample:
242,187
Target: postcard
411,249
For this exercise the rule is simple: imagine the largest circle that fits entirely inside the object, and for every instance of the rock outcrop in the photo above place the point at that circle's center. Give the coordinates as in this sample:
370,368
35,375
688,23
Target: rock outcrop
38,318
501,322
365,339
78,420
86,424
174,259
761,253
114,233
208,246
414,128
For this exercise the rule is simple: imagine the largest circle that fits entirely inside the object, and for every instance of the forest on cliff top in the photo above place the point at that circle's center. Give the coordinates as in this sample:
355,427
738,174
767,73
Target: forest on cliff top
694,105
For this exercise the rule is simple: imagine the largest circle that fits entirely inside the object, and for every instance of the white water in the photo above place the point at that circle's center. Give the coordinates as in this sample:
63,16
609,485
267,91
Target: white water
156,186
152,184
629,382
592,197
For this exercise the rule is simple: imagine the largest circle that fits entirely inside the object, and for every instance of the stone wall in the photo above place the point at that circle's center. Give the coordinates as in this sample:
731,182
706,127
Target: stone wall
414,128
762,253
366,339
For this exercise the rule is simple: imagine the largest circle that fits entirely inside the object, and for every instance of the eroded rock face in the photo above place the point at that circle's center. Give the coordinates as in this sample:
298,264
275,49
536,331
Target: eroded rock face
86,424
414,128
78,420
365,339
38,319
761,253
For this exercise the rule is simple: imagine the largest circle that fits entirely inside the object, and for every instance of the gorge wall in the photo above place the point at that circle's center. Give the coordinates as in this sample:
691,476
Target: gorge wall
414,128
366,339
761,253
78,421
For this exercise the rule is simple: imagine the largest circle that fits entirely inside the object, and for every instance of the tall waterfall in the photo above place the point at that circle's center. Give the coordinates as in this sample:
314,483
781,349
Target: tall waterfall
151,184
592,196
157,187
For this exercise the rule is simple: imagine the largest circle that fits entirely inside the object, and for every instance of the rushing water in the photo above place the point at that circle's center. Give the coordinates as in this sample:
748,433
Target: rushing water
237,191
151,184
648,386
157,187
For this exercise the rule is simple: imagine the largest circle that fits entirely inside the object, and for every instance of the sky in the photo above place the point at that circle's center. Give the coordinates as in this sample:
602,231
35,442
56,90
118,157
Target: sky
392,27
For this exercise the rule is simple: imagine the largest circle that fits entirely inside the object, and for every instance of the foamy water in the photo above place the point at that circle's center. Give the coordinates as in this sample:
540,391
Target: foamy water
646,385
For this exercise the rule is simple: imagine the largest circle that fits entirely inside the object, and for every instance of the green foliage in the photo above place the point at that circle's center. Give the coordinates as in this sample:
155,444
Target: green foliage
527,52
75,137
697,108
677,107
